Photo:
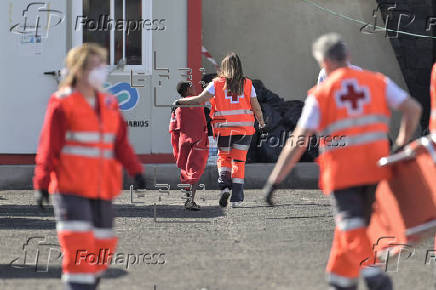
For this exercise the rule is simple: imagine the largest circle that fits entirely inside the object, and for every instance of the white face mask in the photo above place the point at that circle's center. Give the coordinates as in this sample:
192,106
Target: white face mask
97,77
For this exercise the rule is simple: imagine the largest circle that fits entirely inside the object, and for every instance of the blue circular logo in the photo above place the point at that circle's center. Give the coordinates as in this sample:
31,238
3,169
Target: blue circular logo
127,96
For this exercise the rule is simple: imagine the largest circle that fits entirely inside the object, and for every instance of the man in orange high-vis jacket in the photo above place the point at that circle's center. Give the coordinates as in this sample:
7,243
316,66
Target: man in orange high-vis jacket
234,107
350,111
432,123
82,149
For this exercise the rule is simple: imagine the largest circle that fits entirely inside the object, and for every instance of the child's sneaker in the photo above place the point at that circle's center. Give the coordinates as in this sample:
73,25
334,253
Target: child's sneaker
191,205
236,204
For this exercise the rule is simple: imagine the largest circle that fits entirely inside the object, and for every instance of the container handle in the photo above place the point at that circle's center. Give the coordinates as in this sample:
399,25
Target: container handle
406,154
409,151
427,143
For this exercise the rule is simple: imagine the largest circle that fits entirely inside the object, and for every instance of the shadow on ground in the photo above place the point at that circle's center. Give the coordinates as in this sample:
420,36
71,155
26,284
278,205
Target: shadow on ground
299,217
13,217
121,210
30,272
19,223
167,211
25,210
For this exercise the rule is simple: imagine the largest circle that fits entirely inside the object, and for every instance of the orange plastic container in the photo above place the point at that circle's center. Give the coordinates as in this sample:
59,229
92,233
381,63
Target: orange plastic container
405,208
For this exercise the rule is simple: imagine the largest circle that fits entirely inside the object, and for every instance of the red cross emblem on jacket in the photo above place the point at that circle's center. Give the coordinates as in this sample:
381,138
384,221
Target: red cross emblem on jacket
352,96
234,99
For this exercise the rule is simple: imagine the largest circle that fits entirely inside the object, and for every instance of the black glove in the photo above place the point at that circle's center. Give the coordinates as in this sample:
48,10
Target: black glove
140,182
41,196
268,190
263,130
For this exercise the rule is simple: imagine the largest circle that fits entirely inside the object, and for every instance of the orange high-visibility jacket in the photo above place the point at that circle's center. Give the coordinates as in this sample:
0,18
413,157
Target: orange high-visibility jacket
432,124
353,109
231,114
85,161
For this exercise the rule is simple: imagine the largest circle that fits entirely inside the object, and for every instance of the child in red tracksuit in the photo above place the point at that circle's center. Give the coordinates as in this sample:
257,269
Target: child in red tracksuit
190,142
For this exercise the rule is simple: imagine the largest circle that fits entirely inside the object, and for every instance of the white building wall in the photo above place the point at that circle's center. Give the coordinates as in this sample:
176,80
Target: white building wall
274,40
171,49
25,90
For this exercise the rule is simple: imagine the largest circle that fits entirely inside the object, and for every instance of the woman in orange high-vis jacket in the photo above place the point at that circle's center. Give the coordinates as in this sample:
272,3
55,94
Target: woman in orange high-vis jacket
82,149
350,111
234,107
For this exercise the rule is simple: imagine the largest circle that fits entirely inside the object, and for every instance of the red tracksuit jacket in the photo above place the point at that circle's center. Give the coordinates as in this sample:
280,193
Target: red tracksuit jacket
188,129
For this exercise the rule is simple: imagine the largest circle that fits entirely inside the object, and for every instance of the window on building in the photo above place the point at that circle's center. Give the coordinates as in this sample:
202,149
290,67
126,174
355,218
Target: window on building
118,25
91,32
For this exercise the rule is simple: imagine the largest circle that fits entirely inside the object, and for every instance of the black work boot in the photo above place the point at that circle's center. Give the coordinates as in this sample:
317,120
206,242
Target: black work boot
379,282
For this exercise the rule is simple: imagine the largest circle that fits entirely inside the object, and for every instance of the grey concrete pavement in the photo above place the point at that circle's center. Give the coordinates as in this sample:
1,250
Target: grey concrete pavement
304,175
256,247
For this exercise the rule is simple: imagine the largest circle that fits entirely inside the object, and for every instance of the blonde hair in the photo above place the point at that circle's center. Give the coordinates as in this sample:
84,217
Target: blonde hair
77,60
231,70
